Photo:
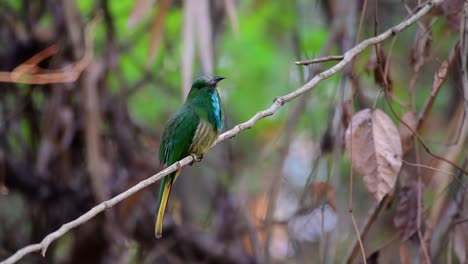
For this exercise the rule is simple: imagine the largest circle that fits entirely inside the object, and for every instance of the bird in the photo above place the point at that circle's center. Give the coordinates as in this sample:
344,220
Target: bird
193,129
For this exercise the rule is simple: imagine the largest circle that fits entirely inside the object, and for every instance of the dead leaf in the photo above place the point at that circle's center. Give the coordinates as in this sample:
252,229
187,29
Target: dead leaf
405,218
440,76
374,145
323,192
407,140
377,63
279,241
157,30
140,9
312,225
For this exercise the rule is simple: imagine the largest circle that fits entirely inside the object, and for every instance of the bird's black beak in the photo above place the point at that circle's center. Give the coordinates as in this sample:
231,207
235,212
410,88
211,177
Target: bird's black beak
216,79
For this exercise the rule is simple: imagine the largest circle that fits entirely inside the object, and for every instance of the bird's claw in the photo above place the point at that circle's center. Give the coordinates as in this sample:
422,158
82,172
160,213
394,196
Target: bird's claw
196,158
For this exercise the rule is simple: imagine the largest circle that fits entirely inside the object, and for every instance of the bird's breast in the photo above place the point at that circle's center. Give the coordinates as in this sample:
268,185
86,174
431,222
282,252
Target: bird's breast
204,137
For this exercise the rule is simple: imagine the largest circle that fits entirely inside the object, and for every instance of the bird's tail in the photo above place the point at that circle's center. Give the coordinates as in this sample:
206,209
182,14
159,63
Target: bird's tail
164,192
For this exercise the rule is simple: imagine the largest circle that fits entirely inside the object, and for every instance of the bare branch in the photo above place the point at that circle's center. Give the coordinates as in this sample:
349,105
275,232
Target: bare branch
320,60
373,216
347,57
44,244
439,78
30,73
288,136
278,102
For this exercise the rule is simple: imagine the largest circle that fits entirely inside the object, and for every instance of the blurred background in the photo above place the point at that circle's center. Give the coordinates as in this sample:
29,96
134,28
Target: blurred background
87,86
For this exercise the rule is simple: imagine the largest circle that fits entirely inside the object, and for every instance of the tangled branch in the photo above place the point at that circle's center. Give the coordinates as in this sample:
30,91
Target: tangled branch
277,104
29,71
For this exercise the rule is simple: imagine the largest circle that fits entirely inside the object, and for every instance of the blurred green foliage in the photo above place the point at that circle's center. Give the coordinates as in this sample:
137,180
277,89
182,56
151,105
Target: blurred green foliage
258,63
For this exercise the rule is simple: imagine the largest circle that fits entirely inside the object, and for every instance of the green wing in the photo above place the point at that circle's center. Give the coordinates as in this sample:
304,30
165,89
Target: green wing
176,140
177,136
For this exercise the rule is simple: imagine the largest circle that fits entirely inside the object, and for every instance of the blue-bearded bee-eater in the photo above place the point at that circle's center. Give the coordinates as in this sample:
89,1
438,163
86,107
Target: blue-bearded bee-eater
192,129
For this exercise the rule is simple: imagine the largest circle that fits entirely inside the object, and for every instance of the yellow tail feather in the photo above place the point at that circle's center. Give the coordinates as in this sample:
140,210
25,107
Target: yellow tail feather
163,199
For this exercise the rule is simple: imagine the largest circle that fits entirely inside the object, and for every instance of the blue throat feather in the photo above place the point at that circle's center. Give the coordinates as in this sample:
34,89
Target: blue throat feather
216,117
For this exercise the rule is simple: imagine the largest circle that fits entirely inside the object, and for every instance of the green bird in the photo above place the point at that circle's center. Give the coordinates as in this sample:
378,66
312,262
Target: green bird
192,129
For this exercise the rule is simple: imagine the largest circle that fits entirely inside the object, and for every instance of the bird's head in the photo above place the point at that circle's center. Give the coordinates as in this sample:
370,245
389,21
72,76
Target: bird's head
204,85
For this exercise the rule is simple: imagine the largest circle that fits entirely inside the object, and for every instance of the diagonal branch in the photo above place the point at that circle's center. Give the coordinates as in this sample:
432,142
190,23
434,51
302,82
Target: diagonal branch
278,102
320,60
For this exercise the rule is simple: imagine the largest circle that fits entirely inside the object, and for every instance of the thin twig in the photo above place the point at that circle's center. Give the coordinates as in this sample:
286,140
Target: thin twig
373,216
439,78
351,171
31,65
278,102
413,131
290,128
438,170
427,167
320,60
423,248
421,141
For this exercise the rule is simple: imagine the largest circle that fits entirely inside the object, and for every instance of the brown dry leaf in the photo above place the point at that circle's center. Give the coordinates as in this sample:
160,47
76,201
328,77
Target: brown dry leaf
323,192
140,9
440,75
405,218
374,145
377,64
157,29
407,140
257,213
